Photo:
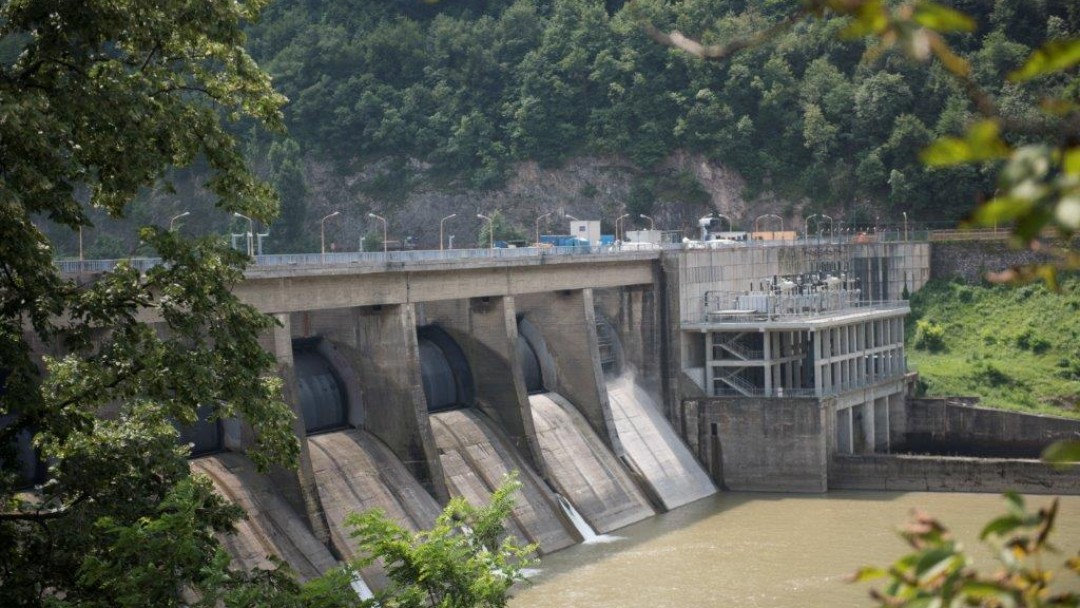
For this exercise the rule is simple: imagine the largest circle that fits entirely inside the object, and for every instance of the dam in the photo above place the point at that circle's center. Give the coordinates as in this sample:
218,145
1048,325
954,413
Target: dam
620,385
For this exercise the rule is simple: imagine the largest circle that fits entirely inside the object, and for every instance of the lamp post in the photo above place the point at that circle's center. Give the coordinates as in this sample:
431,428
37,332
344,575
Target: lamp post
251,231
905,225
538,218
322,235
759,218
730,226
172,222
491,229
80,245
441,223
807,222
383,220
617,221
652,224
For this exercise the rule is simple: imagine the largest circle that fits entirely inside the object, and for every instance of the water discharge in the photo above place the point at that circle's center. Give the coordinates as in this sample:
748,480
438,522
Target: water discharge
583,469
768,551
654,448
588,535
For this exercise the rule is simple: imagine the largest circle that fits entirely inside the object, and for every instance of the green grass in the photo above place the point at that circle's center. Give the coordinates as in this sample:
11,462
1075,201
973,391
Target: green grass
1017,348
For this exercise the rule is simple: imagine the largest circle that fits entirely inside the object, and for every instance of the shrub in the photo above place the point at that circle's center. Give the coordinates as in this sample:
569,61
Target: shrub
929,336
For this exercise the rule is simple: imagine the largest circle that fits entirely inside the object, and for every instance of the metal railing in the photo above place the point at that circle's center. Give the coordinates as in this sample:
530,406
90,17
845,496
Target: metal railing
743,307
741,388
375,258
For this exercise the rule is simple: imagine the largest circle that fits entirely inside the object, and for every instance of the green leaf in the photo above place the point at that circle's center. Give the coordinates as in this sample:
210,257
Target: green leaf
983,590
1016,504
871,17
1002,210
942,19
933,562
868,573
1000,526
1070,161
1062,452
982,142
1055,56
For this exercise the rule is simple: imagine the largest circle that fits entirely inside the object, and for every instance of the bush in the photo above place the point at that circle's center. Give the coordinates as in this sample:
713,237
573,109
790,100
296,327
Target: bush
929,336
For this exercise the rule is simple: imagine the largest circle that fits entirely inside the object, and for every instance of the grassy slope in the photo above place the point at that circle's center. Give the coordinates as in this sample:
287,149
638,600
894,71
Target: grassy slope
1016,347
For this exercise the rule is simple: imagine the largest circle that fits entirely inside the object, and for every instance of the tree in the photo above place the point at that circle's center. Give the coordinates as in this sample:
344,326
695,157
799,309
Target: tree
103,98
467,560
287,175
504,230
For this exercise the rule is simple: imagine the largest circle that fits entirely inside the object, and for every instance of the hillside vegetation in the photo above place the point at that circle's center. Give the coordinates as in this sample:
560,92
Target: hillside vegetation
467,88
1016,347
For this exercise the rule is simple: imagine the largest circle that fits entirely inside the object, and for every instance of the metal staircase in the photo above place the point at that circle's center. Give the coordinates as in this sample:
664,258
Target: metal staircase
739,384
731,344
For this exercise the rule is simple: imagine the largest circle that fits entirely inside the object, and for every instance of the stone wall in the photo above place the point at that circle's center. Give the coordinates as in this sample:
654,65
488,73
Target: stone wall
760,444
940,474
971,260
956,427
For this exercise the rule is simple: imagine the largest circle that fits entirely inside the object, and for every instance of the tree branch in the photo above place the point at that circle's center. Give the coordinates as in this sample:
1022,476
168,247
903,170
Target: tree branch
42,515
719,52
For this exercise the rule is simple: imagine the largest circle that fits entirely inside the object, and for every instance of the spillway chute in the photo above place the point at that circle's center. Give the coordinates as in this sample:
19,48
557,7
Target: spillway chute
444,370
271,528
31,469
206,436
530,366
323,399
653,446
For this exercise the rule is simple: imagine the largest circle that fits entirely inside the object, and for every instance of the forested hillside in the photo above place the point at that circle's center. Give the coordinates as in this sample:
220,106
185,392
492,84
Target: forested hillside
417,109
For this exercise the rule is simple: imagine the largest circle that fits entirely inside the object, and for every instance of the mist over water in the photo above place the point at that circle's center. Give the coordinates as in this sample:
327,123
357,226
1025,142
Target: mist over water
765,550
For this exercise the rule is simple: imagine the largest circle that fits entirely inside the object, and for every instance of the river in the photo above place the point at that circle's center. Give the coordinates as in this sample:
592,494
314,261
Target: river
764,550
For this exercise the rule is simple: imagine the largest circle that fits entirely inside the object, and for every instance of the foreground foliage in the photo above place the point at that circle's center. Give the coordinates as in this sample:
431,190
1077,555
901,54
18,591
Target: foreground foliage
98,100
467,560
939,573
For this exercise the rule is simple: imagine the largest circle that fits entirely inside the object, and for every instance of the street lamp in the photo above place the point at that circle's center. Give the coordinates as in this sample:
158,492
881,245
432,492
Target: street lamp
491,229
172,221
441,222
652,224
80,245
538,218
322,235
383,220
251,231
730,226
905,225
618,220
758,218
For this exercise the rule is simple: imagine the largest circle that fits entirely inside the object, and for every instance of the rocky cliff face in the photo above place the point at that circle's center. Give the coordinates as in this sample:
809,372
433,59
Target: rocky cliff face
414,198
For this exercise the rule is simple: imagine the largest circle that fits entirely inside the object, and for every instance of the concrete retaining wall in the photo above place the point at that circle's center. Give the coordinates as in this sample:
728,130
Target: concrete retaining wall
956,427
971,260
760,444
941,474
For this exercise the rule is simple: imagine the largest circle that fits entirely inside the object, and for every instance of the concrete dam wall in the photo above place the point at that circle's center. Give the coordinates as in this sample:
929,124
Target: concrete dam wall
401,407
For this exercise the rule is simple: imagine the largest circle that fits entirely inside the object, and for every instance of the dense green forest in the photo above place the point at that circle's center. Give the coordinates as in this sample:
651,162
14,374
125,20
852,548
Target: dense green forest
469,87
